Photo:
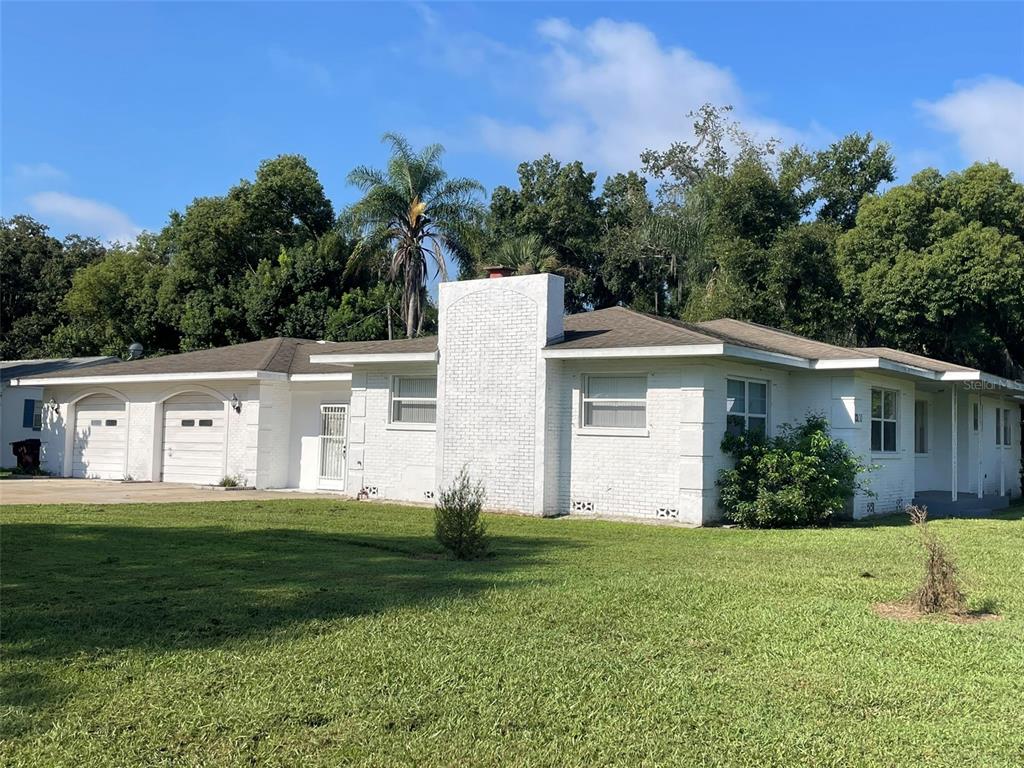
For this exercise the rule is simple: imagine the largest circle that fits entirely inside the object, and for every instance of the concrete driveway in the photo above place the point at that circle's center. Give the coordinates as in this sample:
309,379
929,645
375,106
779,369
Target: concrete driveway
53,490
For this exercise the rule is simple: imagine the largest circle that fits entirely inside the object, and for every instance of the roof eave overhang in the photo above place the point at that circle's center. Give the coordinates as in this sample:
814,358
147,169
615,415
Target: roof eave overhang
878,363
984,381
382,357
733,351
321,377
676,350
146,378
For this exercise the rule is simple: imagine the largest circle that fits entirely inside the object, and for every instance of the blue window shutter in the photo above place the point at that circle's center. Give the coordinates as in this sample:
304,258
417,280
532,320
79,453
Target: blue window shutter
26,417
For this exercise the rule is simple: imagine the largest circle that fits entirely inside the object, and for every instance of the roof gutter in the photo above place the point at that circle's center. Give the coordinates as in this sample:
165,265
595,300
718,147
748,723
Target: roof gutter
677,350
341,358
142,378
985,380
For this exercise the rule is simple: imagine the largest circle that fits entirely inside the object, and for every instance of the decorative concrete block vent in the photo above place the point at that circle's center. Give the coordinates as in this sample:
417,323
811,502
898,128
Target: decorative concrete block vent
667,513
579,505
368,492
428,495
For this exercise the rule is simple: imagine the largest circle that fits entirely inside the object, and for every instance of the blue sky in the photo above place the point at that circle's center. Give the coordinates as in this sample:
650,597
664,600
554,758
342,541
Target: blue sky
115,114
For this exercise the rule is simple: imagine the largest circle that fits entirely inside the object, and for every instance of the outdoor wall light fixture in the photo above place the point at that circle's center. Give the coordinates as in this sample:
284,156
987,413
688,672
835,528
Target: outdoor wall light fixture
236,404
54,406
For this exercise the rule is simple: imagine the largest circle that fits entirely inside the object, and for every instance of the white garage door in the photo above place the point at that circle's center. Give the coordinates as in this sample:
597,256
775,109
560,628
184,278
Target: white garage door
193,440
101,437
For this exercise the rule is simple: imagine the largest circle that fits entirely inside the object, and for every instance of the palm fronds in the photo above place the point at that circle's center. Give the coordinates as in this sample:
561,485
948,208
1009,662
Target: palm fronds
418,216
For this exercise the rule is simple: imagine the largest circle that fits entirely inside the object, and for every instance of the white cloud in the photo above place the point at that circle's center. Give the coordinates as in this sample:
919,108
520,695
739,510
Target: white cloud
610,90
39,172
290,66
987,118
86,217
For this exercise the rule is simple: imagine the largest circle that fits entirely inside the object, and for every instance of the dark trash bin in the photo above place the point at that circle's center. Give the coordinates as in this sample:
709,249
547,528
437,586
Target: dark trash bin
27,454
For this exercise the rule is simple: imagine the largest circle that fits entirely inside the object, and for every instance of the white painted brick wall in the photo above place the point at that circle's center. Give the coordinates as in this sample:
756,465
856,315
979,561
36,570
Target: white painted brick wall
490,370
275,416
622,474
243,435
141,436
394,461
493,387
893,480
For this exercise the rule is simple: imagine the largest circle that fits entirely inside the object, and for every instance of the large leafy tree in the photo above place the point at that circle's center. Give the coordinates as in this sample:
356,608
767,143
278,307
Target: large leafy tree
936,266
556,203
235,262
412,216
648,251
114,302
36,271
773,219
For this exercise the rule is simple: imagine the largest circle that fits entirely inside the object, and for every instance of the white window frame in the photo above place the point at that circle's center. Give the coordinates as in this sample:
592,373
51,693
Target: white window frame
746,413
883,420
37,415
410,425
1004,428
585,429
917,428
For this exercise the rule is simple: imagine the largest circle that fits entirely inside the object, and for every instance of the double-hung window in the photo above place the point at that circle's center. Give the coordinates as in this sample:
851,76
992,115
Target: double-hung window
32,416
413,399
1003,426
884,420
615,402
921,426
746,406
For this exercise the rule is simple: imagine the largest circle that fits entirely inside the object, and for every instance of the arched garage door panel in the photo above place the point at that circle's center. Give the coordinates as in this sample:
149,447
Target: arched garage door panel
101,438
193,450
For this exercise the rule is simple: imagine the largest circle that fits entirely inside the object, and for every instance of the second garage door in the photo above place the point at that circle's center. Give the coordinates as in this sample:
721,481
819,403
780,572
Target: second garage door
193,440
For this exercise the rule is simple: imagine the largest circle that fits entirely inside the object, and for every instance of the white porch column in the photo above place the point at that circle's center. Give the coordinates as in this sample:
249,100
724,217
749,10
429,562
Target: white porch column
1002,448
980,468
952,439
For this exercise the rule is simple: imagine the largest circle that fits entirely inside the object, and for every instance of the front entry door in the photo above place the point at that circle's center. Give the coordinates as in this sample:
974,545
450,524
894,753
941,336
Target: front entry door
332,446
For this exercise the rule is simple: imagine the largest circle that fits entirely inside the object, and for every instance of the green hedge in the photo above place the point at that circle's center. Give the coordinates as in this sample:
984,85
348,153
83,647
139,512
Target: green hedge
800,477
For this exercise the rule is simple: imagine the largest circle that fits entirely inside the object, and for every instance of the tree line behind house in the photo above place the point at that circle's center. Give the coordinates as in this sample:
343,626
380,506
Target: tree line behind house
722,225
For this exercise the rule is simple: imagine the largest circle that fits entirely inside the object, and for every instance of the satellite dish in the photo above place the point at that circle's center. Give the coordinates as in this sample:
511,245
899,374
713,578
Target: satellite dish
134,350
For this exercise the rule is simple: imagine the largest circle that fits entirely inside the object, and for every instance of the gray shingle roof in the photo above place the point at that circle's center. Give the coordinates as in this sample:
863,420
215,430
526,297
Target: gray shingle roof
13,369
615,327
281,355
621,327
920,361
382,347
770,339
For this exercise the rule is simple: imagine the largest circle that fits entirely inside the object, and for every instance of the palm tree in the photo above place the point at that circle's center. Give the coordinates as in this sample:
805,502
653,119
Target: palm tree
412,214
528,255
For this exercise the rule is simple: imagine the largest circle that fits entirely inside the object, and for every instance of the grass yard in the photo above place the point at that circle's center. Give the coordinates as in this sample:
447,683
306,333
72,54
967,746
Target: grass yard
331,633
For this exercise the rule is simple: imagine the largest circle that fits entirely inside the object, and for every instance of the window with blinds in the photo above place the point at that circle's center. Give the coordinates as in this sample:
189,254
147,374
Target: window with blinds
615,402
413,399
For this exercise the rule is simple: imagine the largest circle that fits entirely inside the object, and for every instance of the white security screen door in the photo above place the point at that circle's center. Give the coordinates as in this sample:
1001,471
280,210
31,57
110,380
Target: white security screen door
332,446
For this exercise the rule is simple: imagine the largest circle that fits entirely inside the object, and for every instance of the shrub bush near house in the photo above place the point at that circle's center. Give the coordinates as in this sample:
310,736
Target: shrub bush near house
457,524
799,477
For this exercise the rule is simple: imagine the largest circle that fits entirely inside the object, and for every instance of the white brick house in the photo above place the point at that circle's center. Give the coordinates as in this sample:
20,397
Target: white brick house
610,413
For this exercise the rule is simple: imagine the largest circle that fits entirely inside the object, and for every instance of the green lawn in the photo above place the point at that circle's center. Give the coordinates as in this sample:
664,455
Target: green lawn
328,633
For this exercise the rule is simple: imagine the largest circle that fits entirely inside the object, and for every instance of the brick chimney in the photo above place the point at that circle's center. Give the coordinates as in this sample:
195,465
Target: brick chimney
492,384
499,271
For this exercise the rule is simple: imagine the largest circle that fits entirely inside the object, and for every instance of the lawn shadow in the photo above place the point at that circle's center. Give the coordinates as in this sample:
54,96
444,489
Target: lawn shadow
71,589
901,519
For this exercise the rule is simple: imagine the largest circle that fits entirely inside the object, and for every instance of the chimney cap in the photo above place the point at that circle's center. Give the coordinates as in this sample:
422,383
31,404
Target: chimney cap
499,270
